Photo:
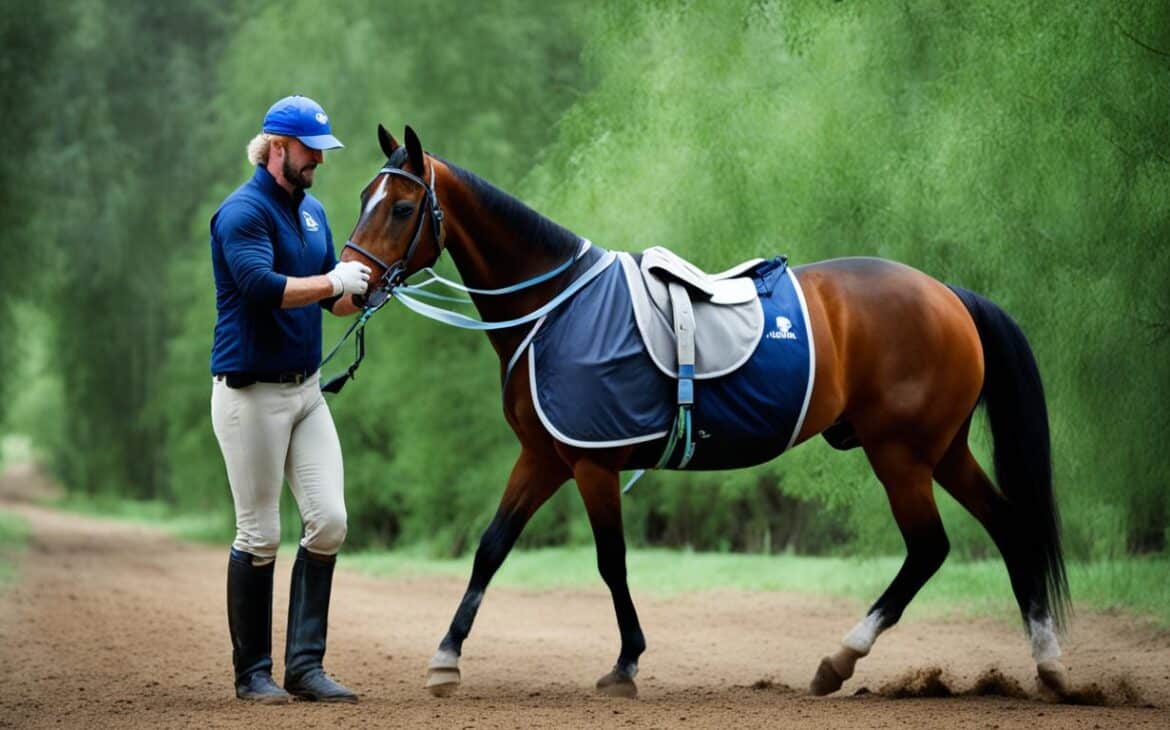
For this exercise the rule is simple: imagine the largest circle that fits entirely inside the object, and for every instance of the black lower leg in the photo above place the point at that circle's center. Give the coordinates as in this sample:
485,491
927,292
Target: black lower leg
962,476
611,563
926,549
1026,574
494,546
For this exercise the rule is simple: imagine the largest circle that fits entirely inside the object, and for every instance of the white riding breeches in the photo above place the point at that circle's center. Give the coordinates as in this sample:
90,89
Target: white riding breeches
268,432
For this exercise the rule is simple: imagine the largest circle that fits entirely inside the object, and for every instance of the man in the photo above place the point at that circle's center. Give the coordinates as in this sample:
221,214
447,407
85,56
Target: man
275,269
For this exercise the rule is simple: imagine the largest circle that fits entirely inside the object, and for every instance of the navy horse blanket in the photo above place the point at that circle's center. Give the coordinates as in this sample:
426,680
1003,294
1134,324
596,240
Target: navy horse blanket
595,385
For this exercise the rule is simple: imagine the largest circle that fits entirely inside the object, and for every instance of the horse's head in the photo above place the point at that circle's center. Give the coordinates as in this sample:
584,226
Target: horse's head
399,229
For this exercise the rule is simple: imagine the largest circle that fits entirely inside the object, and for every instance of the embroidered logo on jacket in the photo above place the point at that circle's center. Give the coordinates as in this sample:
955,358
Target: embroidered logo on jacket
311,223
783,330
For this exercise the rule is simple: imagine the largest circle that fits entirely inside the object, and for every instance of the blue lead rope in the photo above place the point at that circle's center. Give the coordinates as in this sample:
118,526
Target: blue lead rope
462,321
435,278
634,478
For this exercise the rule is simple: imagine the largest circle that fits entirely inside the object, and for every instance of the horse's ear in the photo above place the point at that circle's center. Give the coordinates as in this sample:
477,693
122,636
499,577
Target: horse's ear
414,150
389,144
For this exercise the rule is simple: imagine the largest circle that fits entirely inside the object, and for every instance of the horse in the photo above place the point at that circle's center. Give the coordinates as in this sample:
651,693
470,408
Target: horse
901,362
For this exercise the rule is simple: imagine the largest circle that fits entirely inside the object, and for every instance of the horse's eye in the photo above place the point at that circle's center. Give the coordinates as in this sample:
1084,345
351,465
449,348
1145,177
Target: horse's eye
402,210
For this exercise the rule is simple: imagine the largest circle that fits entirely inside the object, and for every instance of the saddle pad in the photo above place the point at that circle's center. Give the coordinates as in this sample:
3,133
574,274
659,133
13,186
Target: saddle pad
725,334
594,385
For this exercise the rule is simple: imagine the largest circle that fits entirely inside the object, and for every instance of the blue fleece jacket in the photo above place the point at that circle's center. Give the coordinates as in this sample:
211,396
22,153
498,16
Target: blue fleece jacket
260,236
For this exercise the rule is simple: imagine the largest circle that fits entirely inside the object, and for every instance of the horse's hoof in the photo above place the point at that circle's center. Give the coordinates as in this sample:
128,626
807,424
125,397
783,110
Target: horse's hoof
443,673
617,685
1054,676
442,682
827,680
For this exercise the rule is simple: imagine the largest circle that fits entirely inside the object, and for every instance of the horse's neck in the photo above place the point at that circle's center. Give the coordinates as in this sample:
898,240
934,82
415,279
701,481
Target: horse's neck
491,254
496,268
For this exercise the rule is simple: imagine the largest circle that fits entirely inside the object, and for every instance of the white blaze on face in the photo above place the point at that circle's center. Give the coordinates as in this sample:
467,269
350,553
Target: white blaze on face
861,638
1044,645
376,198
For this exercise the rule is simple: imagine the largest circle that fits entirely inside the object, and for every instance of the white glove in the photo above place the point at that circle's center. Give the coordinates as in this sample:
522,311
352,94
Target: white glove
350,277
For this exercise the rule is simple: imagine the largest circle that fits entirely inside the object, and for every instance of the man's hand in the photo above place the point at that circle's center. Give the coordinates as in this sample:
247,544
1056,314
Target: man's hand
350,277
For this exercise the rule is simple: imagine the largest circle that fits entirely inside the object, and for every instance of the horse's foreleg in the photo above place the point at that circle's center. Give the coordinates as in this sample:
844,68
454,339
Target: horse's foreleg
909,488
532,482
599,490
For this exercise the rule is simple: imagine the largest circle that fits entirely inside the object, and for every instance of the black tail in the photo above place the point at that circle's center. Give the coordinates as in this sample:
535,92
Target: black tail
1014,397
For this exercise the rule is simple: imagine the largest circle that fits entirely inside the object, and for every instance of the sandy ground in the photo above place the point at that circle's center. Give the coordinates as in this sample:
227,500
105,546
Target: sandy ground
118,625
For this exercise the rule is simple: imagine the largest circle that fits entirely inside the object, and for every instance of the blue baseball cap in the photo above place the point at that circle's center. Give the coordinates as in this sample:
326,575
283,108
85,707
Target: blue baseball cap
303,118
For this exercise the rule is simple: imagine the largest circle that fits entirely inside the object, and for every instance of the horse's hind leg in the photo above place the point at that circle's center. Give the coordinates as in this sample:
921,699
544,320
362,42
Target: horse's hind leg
599,490
965,480
908,484
532,482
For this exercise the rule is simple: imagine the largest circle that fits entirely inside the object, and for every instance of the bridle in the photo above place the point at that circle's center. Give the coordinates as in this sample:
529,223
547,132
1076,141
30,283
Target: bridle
394,274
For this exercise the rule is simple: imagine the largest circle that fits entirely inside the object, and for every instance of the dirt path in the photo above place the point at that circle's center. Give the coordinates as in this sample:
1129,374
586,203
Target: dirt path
117,625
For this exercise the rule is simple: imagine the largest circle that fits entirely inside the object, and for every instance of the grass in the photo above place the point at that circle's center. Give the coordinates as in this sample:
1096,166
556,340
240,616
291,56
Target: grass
208,527
1137,585
13,538
980,588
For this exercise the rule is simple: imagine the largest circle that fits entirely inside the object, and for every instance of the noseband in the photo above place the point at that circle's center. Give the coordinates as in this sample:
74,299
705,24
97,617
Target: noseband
395,273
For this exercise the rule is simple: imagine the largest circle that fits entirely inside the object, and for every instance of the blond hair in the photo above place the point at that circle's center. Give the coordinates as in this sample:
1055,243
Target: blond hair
260,145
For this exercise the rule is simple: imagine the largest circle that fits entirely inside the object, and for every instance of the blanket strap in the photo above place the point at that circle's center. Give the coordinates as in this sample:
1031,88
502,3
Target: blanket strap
684,331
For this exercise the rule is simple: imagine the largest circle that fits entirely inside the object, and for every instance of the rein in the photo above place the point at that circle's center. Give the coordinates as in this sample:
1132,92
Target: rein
392,285
462,321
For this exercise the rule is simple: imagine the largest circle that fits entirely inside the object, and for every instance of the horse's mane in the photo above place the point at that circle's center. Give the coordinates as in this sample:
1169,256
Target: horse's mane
528,224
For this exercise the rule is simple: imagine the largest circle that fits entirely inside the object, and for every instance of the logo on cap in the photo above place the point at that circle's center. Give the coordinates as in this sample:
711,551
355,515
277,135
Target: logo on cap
321,118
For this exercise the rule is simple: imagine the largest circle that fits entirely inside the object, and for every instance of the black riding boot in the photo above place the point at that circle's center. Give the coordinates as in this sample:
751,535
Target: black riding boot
308,618
249,604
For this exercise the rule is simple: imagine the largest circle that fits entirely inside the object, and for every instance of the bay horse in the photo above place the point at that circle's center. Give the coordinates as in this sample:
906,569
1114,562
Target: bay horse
901,362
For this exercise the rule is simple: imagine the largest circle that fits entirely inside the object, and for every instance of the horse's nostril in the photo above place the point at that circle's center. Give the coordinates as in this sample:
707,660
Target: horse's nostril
359,300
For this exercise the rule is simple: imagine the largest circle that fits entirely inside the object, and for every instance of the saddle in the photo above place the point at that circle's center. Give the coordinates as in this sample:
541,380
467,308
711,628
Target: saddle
716,318
695,325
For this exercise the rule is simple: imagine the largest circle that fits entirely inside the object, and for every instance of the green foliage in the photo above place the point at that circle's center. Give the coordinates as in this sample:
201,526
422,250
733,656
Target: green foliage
114,159
1018,149
26,35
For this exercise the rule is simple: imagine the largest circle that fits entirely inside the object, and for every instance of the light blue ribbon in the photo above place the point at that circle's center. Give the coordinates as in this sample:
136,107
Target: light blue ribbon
470,323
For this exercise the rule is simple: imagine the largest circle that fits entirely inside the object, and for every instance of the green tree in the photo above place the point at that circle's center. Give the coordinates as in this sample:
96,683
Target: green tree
27,43
124,95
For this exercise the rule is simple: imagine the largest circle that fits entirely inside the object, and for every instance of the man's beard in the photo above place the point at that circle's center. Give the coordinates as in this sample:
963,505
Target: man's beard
297,177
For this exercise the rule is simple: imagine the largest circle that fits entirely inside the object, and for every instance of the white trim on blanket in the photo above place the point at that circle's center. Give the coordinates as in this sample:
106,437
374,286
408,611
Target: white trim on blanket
520,351
812,359
565,439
